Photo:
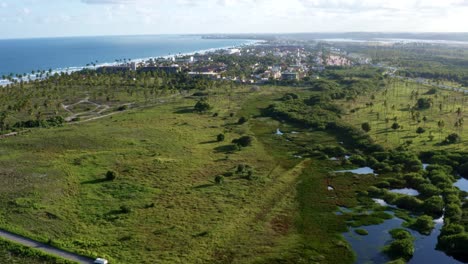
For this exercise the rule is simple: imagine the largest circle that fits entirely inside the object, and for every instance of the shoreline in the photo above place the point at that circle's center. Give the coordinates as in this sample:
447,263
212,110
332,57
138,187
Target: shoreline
71,69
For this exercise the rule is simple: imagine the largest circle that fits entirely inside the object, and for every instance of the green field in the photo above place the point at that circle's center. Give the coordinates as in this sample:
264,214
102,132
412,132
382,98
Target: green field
164,205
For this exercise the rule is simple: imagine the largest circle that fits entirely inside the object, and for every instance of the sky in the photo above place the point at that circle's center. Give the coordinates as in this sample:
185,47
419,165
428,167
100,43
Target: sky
54,18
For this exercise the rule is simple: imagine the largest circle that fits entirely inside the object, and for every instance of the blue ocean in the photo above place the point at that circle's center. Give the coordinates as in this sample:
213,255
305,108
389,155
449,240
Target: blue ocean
20,56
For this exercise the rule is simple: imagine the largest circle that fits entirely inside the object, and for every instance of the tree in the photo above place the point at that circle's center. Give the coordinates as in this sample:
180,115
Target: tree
220,137
420,130
441,125
202,106
242,120
452,139
366,127
111,175
124,209
243,141
424,103
395,126
3,117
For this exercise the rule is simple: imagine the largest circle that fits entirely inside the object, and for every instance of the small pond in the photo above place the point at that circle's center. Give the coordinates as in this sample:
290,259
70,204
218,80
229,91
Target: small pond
381,202
462,184
363,170
407,191
278,132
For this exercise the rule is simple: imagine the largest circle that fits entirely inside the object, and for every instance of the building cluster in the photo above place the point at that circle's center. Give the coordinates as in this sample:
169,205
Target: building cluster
251,64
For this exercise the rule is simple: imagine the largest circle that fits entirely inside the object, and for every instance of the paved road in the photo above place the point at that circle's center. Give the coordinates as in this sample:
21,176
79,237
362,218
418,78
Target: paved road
45,248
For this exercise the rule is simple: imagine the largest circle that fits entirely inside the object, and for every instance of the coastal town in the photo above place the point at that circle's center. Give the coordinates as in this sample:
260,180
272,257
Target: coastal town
261,63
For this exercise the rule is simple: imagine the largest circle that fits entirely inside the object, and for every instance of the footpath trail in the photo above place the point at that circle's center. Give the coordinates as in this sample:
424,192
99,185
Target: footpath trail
45,248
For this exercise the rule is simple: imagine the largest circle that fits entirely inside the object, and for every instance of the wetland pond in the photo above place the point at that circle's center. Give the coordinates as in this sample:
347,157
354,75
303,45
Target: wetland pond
363,170
369,248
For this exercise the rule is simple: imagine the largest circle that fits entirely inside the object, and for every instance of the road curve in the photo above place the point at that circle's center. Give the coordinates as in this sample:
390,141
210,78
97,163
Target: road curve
45,248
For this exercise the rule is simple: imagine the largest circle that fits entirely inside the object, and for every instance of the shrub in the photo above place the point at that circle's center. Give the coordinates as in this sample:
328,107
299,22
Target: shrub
220,137
434,206
382,167
452,139
420,130
390,197
408,202
428,190
463,170
438,177
374,191
202,106
423,224
358,160
424,103
400,233
200,94
228,174
242,120
371,161
366,127
290,96
452,229
453,212
381,156
219,179
243,141
337,151
249,175
124,209
383,184
240,168
454,244
111,175
122,108
361,232
401,248
414,180
395,126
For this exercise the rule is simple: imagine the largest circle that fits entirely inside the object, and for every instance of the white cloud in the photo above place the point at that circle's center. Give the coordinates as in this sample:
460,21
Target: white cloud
26,11
234,16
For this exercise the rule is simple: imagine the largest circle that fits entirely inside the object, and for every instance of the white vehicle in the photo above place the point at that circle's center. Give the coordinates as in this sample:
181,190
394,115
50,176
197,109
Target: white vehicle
100,261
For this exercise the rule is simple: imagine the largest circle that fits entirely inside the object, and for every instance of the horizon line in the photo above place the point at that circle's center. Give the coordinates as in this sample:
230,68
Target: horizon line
234,34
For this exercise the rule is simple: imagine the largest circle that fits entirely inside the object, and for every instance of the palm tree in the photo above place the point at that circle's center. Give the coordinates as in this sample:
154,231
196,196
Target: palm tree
441,125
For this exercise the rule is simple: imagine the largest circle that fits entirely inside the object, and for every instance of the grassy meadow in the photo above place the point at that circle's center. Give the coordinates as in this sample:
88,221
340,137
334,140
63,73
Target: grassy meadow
164,206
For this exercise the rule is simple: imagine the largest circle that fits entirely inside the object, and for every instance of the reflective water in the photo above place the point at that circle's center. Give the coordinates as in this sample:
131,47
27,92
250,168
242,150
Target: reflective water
407,191
369,248
462,184
363,170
